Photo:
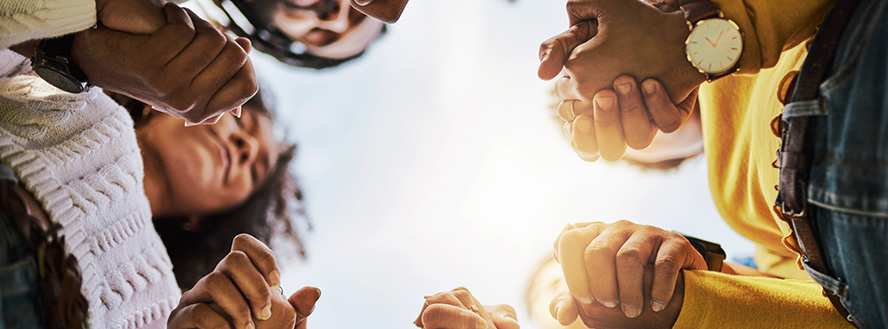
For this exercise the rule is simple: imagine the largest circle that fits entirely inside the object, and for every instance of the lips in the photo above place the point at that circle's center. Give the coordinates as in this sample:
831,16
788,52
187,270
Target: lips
224,154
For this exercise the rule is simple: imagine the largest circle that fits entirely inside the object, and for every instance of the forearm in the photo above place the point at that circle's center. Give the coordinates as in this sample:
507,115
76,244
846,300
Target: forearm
24,20
770,26
743,270
717,300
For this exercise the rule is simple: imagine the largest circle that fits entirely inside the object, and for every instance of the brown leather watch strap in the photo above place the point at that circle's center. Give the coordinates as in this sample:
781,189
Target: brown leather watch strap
699,10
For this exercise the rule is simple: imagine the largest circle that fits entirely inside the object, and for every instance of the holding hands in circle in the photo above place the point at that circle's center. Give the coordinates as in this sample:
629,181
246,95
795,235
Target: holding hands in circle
458,309
616,271
244,292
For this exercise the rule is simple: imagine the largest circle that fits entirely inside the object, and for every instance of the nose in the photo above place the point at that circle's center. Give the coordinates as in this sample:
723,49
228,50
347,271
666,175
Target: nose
337,22
246,146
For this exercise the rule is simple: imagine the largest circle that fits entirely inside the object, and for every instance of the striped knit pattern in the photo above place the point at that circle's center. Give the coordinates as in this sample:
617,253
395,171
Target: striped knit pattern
78,155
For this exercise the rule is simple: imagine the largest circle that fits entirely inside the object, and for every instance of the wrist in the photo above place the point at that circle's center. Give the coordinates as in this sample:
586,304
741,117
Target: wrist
686,77
27,48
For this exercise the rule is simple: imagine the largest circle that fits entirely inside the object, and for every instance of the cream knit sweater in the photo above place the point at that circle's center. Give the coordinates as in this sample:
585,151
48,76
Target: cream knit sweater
77,153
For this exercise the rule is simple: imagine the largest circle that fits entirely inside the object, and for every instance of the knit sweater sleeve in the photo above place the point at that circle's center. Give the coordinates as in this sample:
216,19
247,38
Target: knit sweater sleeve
716,300
770,26
23,20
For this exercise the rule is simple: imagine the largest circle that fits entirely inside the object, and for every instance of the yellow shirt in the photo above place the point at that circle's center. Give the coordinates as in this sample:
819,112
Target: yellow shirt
740,149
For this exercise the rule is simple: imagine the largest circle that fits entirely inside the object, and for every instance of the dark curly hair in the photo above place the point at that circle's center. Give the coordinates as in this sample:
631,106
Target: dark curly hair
268,38
274,213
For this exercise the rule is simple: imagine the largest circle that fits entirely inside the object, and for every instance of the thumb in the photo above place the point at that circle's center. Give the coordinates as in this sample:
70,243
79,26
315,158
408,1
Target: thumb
564,308
303,301
555,51
503,316
245,44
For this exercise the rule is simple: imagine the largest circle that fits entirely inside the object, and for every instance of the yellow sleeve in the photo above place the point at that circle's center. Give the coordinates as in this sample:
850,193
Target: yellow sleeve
717,300
770,26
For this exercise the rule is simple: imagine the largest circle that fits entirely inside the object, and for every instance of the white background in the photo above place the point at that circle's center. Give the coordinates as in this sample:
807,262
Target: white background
434,162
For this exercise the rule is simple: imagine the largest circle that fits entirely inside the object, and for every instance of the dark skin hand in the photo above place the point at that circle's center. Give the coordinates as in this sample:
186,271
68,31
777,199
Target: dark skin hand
606,40
388,11
165,57
187,68
604,264
598,59
566,309
244,292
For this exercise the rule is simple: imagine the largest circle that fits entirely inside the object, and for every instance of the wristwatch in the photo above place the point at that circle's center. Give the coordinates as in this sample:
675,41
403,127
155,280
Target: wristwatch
52,62
712,252
715,43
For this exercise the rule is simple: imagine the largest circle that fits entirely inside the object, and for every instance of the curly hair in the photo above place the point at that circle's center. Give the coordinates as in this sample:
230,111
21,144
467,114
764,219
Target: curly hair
274,213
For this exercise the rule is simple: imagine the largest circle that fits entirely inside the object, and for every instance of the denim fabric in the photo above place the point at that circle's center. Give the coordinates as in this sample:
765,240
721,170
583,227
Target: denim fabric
848,187
20,302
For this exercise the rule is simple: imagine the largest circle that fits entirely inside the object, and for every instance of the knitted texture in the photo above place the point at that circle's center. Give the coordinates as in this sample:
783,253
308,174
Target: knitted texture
23,20
77,153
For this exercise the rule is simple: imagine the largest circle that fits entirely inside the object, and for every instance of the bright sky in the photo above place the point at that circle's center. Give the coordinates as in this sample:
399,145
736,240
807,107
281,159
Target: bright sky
434,162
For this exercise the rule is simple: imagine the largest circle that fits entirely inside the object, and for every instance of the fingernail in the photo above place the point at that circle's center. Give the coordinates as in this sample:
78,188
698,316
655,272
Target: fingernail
237,112
624,88
589,157
251,325
566,110
631,311
567,129
649,87
585,300
274,278
604,102
657,306
363,2
189,124
218,117
582,125
609,304
510,318
265,314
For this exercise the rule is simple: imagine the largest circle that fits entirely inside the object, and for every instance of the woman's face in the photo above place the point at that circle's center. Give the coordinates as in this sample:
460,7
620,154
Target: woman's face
327,28
208,168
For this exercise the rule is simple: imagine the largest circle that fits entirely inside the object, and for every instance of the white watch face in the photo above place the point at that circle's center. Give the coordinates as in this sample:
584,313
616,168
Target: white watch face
714,45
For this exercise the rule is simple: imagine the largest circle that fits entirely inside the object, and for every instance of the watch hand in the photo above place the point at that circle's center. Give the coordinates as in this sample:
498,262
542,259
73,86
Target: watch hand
719,37
710,41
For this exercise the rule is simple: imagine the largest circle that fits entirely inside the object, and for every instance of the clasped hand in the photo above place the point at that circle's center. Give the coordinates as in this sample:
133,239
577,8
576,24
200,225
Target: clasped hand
615,272
244,292
458,309
611,43
168,58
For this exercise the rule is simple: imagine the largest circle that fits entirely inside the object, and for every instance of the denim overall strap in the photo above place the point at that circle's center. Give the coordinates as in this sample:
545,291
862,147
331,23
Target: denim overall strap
794,157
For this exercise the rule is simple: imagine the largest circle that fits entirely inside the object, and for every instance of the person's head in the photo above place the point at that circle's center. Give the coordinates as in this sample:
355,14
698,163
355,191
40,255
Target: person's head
206,169
206,184
307,33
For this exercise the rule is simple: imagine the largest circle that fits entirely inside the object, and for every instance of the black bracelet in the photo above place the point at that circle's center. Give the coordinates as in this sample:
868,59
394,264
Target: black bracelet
712,252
